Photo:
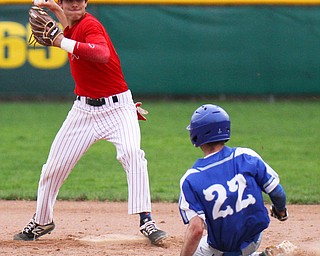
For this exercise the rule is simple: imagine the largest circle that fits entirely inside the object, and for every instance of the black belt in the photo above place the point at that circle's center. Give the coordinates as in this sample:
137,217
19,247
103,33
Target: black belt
98,102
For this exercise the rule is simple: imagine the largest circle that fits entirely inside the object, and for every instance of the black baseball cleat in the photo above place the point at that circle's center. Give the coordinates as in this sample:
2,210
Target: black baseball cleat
155,235
33,231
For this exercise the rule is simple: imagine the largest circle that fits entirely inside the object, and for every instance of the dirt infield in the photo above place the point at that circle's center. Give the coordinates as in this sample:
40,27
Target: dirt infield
104,228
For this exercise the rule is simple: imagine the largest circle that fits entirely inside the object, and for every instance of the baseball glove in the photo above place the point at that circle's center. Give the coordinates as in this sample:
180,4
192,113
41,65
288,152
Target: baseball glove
141,112
44,28
276,214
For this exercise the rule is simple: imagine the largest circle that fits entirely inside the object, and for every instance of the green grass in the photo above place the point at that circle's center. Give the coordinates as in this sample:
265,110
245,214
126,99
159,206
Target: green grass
284,133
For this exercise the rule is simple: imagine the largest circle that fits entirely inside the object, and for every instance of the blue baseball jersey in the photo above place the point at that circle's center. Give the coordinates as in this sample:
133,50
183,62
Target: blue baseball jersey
225,190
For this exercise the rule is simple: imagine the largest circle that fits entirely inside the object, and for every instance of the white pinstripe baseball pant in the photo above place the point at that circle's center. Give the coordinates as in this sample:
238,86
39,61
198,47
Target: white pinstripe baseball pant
114,122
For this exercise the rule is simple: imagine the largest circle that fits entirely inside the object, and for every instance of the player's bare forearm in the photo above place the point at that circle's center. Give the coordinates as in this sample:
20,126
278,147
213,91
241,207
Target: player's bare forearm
192,236
61,17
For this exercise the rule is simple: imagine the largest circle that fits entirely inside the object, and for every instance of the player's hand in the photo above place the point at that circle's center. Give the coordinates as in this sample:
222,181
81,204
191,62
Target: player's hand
45,3
141,112
282,216
51,5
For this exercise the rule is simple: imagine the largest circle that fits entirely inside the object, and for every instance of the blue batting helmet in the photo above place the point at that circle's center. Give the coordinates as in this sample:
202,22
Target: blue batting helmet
209,123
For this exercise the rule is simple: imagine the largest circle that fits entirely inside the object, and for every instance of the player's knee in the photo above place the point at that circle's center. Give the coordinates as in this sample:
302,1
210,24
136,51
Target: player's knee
132,156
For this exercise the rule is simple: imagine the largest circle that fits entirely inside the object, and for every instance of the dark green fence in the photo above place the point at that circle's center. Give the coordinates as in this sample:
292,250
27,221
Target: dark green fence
179,50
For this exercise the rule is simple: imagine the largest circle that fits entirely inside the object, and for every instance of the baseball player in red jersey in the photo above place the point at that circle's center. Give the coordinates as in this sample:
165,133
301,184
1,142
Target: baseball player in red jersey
103,110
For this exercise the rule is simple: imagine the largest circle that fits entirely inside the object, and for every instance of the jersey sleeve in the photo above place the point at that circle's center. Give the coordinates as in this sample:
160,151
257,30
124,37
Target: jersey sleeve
189,205
94,32
95,48
265,176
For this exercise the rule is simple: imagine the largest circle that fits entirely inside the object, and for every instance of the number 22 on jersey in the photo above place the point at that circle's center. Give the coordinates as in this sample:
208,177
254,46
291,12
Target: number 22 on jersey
218,193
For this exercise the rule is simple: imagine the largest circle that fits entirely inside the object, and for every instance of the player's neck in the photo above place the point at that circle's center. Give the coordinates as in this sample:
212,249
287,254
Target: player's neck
73,21
211,148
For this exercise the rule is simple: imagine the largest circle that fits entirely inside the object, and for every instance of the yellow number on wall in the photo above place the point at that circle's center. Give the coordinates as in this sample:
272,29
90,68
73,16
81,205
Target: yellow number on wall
12,45
46,57
15,51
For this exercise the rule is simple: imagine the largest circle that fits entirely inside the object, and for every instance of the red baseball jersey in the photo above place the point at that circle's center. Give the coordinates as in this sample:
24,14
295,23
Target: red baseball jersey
94,79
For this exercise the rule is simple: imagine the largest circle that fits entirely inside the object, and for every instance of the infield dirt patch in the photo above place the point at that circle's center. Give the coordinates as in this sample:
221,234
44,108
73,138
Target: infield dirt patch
114,232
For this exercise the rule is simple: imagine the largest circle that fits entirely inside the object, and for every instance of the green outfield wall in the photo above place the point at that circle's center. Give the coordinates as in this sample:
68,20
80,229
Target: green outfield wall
187,2
179,49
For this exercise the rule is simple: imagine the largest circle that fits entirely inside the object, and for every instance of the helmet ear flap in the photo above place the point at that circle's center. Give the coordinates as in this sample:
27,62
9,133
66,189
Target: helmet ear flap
194,139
